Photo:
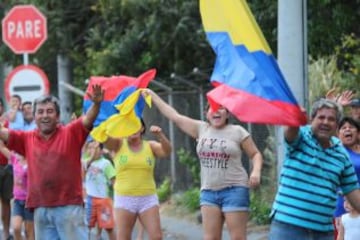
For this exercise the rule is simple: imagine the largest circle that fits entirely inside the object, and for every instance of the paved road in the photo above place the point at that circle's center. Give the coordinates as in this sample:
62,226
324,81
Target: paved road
179,229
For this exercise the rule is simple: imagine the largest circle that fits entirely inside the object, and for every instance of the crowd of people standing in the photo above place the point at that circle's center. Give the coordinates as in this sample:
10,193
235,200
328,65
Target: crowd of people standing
319,170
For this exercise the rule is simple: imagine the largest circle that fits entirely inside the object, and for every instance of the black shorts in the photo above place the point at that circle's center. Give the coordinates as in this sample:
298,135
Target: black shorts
6,182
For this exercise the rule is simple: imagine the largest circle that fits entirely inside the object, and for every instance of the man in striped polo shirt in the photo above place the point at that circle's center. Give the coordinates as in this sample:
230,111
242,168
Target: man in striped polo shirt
315,166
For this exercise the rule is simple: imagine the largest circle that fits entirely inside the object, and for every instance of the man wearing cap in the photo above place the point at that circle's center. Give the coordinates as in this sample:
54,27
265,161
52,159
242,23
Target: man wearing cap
355,109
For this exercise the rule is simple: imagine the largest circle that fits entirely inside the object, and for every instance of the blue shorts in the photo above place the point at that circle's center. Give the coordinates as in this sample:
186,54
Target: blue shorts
20,210
228,199
284,231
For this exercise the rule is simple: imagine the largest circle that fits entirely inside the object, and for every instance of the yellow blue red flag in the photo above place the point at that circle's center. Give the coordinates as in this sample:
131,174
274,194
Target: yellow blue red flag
122,107
124,123
246,76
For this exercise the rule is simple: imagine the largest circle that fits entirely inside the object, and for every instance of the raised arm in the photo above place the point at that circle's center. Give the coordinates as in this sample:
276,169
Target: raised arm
291,133
4,133
162,148
14,108
188,125
4,150
254,154
96,97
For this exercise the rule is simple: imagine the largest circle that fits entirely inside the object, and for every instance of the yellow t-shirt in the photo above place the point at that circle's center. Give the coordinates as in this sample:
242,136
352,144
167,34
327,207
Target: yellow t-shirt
134,171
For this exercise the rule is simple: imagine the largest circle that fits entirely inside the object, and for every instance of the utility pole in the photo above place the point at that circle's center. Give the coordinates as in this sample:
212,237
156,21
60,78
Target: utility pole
64,76
292,55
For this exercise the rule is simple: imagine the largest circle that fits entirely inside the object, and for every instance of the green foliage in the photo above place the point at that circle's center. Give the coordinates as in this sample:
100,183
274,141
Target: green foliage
323,75
190,199
339,70
328,21
265,13
192,164
164,190
110,37
348,54
260,209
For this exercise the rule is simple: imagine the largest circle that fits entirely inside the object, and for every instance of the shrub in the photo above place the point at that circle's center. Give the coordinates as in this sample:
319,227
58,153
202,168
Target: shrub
192,163
259,209
190,199
164,190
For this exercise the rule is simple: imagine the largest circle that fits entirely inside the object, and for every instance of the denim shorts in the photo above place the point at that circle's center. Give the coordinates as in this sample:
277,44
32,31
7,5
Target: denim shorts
20,210
228,199
64,222
284,231
136,204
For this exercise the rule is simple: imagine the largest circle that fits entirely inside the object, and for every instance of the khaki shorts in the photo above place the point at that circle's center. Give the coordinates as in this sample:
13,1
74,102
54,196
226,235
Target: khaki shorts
6,182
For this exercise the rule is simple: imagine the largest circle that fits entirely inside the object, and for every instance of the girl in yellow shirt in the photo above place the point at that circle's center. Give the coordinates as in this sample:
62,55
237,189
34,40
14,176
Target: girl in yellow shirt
135,189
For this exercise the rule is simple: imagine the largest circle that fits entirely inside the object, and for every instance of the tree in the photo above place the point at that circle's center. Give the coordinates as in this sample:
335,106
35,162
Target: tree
328,22
108,37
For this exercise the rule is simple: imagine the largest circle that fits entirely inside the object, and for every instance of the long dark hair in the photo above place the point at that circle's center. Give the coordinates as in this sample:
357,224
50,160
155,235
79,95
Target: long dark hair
143,125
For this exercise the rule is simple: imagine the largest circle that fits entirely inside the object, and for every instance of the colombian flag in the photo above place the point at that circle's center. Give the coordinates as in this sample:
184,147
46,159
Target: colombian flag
120,92
246,76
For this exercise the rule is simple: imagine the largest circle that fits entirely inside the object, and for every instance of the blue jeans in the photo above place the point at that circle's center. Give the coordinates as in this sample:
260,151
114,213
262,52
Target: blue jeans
228,199
60,223
284,231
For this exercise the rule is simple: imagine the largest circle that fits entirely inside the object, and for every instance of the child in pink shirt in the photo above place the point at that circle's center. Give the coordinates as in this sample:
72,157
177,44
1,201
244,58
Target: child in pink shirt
20,214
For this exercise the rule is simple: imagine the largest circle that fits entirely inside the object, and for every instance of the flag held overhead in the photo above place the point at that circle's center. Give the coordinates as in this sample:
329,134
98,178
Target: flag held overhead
113,86
122,107
246,76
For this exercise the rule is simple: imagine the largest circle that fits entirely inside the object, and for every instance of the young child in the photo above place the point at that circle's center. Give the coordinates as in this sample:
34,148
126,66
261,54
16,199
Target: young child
20,214
99,179
349,228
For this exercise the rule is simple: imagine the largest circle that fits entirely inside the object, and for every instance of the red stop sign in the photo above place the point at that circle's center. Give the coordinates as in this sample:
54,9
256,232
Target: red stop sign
24,29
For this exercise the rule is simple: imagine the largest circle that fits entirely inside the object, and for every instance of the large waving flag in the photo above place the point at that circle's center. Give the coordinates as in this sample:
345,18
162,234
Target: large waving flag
127,121
246,76
119,91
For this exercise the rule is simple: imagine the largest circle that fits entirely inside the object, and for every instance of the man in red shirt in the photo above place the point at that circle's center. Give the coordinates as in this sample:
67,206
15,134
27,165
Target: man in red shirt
54,170
6,182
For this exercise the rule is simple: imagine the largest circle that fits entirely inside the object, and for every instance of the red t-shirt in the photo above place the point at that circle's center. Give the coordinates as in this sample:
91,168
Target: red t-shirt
54,167
3,159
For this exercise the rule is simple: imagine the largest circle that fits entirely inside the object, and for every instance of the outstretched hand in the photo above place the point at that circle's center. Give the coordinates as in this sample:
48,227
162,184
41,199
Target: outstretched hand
97,94
146,92
331,95
343,98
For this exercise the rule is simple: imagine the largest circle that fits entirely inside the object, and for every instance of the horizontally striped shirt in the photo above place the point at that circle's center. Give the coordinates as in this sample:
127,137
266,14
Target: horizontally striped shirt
309,180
